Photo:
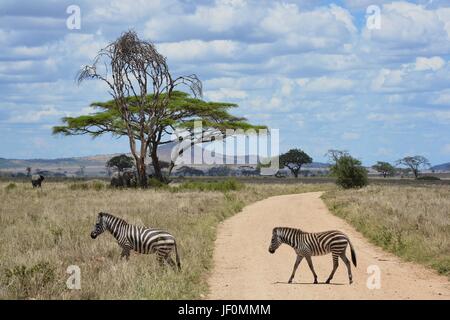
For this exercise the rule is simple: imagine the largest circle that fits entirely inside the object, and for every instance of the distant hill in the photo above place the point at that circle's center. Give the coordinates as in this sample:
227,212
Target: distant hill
95,165
441,167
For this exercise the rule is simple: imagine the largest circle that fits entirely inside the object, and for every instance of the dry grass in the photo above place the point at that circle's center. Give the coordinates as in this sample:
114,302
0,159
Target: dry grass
412,222
45,231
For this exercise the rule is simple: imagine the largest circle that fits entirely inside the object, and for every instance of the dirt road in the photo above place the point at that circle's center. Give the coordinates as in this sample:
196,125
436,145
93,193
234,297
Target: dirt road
244,269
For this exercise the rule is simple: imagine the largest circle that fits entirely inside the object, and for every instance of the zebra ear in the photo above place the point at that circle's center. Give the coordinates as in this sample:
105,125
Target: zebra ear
100,214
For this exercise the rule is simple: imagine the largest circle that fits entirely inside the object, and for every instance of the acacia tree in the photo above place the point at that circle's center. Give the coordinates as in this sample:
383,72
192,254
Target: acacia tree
414,163
294,159
132,68
120,162
385,168
181,113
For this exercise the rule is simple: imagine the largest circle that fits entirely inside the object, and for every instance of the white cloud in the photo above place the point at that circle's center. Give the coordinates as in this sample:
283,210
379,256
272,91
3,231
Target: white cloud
225,94
434,63
35,116
326,84
199,50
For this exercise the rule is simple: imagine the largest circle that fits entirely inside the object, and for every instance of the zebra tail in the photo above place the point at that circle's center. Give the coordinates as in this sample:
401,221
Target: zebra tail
353,253
177,257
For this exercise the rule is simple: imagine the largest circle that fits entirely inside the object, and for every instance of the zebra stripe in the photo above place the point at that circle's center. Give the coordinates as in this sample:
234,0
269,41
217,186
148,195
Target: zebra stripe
140,239
307,245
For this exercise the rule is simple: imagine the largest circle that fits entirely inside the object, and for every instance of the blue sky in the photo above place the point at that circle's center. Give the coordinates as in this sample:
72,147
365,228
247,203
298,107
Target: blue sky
310,68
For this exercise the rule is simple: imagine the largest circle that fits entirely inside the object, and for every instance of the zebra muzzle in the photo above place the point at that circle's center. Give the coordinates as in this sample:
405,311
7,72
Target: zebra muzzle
93,235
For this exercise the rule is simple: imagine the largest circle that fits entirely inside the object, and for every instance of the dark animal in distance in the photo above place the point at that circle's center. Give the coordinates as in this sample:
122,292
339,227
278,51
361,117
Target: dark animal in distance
124,179
36,180
307,245
140,239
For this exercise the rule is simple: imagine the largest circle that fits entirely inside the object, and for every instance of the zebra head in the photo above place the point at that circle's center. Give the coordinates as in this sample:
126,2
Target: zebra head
275,242
100,226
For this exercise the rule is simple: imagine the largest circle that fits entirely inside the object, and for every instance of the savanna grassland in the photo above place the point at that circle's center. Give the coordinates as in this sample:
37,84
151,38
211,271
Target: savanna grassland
410,221
45,231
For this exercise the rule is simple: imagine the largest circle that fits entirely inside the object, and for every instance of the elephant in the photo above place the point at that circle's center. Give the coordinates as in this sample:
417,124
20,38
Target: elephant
36,180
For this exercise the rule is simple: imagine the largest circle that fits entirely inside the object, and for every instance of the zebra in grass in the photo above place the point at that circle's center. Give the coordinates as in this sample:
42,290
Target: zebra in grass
307,245
140,239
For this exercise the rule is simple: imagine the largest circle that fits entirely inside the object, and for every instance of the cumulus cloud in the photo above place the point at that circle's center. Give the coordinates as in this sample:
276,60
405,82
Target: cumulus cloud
309,68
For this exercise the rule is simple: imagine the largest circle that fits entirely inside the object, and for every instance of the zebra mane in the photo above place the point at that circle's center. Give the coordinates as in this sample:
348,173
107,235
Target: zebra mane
289,228
110,217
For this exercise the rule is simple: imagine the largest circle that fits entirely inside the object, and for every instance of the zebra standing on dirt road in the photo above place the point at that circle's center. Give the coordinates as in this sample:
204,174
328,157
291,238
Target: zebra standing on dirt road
307,245
140,239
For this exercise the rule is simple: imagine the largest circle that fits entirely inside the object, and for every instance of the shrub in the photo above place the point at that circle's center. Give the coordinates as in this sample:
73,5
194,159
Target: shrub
29,281
10,186
155,183
349,172
97,185
223,186
79,186
428,178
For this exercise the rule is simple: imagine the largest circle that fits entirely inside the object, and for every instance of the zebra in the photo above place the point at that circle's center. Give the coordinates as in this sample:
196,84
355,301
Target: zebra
140,239
307,245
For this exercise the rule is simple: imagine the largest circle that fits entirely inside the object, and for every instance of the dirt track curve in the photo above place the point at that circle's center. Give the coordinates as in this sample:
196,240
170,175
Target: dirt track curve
244,269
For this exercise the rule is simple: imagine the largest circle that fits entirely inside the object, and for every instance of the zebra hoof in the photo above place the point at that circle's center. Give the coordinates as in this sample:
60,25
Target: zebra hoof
351,281
328,281
290,281
315,282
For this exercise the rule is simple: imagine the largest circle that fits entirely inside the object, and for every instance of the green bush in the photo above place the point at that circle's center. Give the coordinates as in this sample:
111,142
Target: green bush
98,185
155,183
29,281
428,178
349,173
223,186
10,186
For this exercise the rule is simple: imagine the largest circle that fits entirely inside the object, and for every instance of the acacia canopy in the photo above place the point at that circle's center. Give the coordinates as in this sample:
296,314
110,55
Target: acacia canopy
181,113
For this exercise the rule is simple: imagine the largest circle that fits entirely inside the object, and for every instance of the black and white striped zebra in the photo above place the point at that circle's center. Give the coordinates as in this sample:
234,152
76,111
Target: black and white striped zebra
140,239
307,245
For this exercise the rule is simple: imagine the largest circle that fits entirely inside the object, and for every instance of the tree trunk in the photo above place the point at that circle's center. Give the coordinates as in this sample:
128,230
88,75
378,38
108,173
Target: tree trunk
295,172
156,165
416,173
141,171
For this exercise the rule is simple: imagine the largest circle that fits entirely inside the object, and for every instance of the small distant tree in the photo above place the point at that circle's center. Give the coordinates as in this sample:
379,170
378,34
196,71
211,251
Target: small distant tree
385,168
294,159
414,163
349,172
120,162
28,171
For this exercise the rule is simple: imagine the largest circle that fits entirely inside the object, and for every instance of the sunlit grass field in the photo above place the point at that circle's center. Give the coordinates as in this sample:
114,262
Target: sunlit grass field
45,231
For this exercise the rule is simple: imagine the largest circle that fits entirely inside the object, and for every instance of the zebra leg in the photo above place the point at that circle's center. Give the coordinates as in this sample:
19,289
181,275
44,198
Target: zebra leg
335,266
296,264
310,264
170,261
349,268
125,253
